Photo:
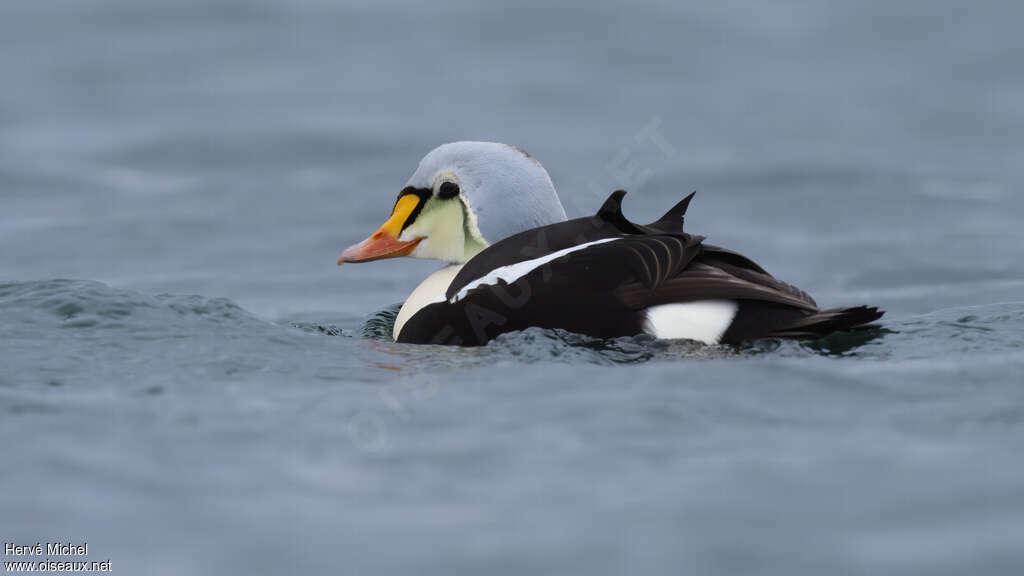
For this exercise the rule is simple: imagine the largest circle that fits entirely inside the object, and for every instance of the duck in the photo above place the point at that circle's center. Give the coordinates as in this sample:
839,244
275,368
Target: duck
513,260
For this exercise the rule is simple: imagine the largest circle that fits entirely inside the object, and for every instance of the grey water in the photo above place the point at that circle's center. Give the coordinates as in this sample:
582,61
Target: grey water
190,385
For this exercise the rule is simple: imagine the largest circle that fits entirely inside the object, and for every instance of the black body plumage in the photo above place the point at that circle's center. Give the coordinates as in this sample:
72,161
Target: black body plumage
608,272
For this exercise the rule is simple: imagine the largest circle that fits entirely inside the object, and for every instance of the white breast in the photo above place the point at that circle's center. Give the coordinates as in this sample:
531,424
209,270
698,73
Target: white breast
428,292
705,321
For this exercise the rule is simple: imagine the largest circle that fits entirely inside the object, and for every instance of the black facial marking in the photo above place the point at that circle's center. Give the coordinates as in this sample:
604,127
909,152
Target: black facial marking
423,193
448,190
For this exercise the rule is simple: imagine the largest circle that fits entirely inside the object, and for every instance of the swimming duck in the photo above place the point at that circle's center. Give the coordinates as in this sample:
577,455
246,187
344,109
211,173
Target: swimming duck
513,260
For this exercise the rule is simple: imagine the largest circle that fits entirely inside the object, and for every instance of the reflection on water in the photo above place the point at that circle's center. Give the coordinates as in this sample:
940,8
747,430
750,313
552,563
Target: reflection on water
847,343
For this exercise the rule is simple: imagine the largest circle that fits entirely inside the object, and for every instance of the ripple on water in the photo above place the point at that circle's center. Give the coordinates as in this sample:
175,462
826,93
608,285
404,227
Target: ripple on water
536,345
986,328
93,306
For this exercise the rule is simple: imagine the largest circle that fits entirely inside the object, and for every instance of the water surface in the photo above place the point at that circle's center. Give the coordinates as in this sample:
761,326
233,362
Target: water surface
190,385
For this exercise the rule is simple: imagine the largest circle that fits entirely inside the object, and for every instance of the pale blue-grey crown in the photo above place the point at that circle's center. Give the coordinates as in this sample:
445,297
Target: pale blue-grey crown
507,191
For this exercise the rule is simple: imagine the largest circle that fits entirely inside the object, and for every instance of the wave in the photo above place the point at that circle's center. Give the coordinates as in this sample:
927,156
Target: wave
90,309
90,305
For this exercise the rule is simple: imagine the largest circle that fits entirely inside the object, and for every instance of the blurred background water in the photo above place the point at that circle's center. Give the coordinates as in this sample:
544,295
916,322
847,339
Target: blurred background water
189,384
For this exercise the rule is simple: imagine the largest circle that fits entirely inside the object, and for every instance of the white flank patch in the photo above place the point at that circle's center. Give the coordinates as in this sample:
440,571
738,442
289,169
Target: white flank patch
513,272
430,291
704,321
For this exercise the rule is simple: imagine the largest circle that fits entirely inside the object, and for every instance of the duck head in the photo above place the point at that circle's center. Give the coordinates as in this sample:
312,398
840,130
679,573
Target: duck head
463,197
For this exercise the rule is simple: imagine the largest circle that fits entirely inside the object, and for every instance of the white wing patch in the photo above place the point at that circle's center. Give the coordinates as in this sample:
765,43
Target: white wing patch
705,320
513,272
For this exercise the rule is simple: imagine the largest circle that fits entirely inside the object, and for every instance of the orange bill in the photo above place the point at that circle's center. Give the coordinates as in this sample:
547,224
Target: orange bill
384,243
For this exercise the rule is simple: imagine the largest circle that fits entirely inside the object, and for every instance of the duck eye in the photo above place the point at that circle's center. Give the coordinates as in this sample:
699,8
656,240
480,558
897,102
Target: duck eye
448,190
